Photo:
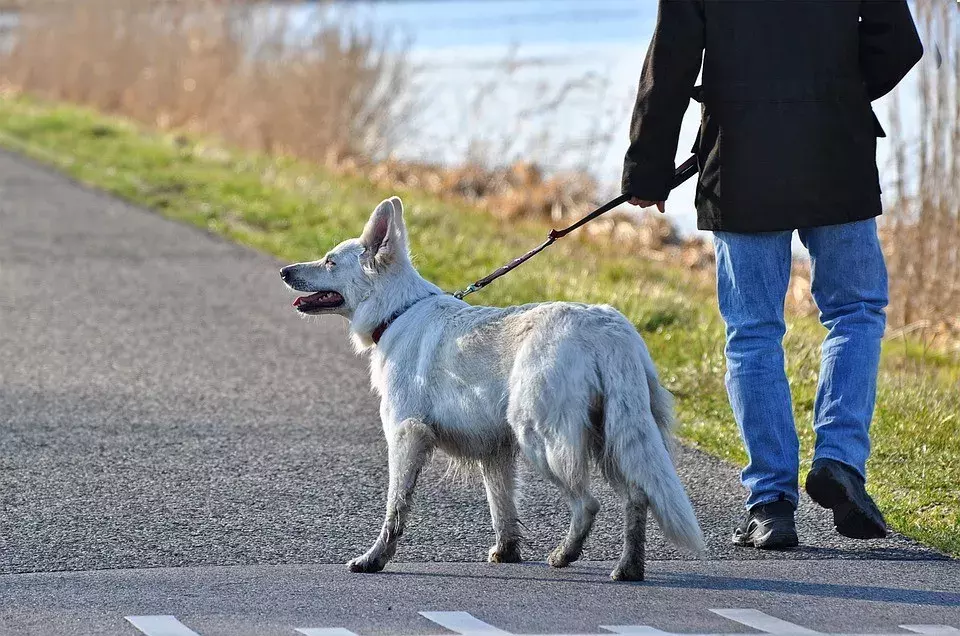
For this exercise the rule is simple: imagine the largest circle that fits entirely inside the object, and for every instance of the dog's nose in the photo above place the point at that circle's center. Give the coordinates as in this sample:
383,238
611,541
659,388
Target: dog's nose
285,273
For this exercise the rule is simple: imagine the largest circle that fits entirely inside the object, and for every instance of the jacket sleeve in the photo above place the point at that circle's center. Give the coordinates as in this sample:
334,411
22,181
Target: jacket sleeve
666,85
889,44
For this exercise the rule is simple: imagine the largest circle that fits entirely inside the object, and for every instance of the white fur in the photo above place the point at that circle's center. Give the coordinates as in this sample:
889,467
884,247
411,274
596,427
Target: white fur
567,385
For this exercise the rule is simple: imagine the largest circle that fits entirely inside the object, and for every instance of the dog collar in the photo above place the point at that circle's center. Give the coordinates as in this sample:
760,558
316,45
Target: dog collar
383,326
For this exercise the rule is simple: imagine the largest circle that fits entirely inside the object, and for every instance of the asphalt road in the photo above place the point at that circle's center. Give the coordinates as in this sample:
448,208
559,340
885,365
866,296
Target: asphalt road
162,406
825,596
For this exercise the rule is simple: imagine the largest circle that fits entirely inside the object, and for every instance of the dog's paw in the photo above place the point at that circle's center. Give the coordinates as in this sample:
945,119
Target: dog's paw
627,573
559,558
504,554
366,565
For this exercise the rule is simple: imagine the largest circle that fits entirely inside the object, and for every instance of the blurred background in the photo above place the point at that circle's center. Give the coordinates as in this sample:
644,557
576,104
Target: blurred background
520,107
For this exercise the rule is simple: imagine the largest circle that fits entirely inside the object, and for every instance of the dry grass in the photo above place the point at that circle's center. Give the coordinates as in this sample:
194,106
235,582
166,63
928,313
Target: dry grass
343,97
922,229
233,71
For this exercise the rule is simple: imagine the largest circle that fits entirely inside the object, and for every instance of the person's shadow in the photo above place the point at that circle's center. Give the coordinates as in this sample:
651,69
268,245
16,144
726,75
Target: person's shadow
817,589
595,573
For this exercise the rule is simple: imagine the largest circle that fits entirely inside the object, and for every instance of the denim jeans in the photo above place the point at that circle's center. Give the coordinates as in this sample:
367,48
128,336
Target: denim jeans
849,285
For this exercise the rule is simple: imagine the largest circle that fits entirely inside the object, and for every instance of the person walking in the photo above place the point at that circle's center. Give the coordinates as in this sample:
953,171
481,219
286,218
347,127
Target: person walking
787,142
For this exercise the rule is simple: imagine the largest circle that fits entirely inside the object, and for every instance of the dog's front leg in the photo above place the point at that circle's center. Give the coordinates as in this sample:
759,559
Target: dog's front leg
409,447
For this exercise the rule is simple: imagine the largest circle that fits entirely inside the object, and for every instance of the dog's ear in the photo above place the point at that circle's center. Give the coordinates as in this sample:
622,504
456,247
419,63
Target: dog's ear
398,218
385,237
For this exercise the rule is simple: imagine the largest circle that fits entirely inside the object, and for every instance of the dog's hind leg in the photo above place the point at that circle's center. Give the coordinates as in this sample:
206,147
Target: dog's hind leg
630,566
499,477
635,504
409,448
583,511
549,413
570,473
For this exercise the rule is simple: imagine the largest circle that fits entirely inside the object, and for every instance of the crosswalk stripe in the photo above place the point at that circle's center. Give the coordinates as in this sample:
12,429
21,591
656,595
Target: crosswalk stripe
466,624
160,626
463,623
634,630
763,622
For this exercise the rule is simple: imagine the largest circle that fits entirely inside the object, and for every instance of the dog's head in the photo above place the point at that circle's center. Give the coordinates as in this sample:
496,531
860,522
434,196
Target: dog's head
351,272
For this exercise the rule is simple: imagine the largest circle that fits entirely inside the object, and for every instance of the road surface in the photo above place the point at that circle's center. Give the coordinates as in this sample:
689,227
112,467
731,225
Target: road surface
176,441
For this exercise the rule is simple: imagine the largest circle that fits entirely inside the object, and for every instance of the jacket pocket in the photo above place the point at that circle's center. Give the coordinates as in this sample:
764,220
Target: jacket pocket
697,96
707,149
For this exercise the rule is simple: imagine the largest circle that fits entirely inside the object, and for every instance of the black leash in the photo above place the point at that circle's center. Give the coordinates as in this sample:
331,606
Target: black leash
684,171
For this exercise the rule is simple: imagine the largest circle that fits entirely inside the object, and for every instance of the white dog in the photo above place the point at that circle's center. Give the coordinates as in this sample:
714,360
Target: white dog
567,385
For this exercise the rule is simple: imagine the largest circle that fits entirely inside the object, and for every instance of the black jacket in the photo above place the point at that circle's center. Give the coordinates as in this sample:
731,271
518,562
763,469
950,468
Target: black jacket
788,137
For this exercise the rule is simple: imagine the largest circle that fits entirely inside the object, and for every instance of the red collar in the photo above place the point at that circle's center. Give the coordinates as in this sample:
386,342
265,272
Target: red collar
378,332
383,326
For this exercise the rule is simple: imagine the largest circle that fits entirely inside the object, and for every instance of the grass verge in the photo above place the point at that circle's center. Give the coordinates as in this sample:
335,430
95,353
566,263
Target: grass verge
296,211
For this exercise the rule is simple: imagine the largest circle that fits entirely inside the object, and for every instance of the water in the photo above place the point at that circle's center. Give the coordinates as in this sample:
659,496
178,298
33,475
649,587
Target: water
8,22
547,81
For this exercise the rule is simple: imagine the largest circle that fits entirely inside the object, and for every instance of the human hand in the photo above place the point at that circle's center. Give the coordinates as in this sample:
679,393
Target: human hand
661,205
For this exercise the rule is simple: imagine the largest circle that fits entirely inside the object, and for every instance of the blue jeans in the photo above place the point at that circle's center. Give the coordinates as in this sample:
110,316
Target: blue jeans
850,288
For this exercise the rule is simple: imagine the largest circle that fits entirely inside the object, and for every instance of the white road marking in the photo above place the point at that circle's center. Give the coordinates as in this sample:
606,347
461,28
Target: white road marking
160,626
465,624
462,623
763,622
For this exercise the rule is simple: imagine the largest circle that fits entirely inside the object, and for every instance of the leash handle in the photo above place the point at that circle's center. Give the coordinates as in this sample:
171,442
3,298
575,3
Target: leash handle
683,172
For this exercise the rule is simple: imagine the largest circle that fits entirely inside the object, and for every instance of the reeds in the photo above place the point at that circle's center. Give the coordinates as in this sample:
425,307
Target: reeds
239,72
921,229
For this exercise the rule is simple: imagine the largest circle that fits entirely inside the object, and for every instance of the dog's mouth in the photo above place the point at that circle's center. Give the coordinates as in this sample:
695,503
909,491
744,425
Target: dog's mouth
318,302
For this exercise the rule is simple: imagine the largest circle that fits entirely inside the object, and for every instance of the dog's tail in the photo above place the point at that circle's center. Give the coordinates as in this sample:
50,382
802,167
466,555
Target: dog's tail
641,450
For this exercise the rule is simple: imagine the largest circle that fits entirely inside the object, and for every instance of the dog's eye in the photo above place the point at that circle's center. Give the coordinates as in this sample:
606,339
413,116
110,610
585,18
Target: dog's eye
329,264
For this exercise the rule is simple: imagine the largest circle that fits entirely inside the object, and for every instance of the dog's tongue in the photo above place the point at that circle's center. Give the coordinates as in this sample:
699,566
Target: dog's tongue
305,299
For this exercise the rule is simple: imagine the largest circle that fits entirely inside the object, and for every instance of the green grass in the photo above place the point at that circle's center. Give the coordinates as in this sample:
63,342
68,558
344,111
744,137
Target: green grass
296,211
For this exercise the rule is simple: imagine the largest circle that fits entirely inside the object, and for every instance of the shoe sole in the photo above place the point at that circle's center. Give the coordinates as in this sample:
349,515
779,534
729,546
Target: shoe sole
850,519
771,541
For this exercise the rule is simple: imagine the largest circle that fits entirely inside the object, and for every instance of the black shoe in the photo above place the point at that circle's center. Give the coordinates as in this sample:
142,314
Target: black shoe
838,487
768,527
